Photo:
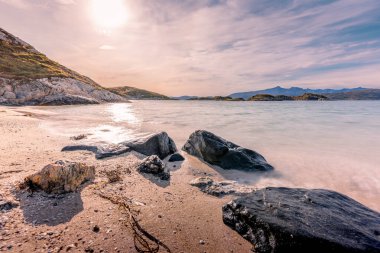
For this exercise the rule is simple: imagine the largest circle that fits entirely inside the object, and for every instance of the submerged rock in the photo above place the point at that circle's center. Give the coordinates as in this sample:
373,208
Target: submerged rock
301,220
102,151
218,151
153,165
159,144
61,177
176,158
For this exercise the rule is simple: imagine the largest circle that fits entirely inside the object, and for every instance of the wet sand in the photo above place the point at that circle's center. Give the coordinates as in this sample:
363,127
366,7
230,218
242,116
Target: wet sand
180,215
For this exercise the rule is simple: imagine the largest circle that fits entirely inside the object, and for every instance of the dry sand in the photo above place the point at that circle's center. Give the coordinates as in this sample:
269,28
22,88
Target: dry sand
180,215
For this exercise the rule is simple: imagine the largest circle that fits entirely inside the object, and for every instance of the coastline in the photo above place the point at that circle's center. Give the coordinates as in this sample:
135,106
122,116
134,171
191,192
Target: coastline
180,215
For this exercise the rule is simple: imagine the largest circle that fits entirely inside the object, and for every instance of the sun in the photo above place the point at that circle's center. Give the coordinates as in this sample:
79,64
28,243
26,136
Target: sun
108,14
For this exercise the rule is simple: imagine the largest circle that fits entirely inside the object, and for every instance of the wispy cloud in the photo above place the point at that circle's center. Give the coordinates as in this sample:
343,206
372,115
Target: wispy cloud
219,46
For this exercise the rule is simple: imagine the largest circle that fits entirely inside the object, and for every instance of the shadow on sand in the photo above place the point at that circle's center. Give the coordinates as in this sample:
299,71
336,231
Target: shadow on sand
40,208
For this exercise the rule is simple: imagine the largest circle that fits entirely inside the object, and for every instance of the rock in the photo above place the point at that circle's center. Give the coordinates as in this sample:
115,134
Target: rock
100,151
61,177
209,186
176,158
159,144
302,220
153,165
6,205
217,151
9,95
111,150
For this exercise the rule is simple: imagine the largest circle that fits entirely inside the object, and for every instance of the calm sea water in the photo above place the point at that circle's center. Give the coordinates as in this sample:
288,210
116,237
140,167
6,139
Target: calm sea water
325,144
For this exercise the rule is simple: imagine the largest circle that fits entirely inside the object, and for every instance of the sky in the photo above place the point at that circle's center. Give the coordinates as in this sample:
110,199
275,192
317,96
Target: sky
206,47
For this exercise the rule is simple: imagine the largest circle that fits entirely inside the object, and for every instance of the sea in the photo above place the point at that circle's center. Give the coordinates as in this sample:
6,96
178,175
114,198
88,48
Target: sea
312,144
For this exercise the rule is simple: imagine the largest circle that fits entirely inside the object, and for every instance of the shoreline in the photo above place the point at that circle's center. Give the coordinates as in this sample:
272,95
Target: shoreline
179,214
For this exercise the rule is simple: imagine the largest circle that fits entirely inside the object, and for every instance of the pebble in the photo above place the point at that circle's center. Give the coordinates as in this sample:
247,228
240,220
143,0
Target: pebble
96,229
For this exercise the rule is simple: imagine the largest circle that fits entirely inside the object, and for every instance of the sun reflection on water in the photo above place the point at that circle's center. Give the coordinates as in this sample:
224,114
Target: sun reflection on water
123,113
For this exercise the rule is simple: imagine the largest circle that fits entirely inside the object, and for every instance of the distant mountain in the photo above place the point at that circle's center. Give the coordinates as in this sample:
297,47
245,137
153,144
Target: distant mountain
368,94
28,77
217,98
184,97
135,93
293,91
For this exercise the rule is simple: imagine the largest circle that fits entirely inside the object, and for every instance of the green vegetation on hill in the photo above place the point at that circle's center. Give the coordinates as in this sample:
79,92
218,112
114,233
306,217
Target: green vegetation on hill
135,93
306,96
20,61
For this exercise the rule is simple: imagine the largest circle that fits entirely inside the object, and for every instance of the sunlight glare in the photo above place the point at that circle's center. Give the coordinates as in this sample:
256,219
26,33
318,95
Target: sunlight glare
109,13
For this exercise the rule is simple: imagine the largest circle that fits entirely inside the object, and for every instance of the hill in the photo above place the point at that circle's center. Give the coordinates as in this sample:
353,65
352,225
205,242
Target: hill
304,97
293,91
135,93
369,94
28,77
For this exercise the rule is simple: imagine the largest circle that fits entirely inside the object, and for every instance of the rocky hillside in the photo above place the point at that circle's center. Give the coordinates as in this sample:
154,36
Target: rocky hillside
135,93
28,77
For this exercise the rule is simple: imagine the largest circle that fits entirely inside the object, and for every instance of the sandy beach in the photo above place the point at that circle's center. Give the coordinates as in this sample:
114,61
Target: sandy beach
178,214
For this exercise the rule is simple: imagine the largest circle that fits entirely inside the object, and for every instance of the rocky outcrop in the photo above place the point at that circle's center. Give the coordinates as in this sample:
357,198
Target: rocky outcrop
215,150
159,144
60,177
53,91
28,77
302,220
153,165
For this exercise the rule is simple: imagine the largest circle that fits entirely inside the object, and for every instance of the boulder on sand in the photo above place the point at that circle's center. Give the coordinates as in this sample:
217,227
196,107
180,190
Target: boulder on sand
217,151
159,144
302,220
61,177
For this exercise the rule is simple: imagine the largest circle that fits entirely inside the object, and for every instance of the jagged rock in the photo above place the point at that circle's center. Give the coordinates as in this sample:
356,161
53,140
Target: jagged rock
100,151
209,186
302,220
176,158
153,165
61,177
218,151
159,144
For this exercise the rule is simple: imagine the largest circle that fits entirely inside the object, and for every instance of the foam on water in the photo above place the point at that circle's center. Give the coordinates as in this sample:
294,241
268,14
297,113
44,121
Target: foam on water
333,145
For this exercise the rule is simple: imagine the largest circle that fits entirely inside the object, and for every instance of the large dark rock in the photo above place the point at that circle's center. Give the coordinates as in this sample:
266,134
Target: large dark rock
218,151
159,144
301,220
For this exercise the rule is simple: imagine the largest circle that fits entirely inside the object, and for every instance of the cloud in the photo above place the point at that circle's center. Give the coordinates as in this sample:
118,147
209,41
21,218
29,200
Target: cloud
216,46
106,47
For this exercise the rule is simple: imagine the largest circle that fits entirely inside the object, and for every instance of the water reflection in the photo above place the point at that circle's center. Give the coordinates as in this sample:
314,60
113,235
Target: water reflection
123,113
